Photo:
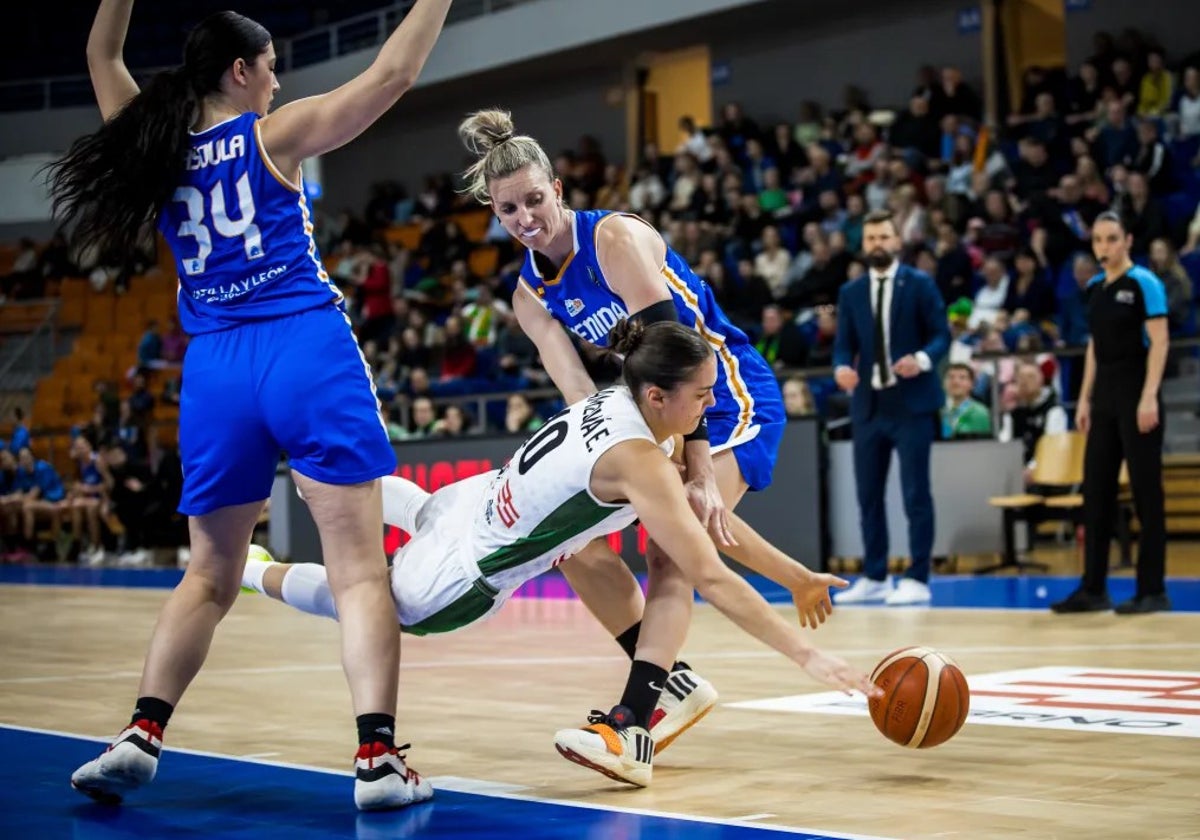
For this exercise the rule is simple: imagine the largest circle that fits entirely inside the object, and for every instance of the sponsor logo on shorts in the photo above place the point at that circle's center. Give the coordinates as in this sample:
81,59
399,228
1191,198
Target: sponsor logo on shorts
1109,700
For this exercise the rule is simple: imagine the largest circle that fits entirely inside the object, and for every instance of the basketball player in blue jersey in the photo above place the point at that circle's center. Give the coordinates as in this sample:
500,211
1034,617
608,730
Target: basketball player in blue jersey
587,270
272,365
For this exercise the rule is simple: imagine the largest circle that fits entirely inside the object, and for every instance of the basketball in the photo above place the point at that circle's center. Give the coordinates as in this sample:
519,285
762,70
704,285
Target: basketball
925,697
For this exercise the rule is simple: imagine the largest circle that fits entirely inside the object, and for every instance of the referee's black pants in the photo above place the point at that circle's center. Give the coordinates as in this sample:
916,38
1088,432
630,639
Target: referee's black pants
1113,437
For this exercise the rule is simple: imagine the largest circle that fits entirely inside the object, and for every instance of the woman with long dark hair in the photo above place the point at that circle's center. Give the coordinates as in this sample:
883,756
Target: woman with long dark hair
272,364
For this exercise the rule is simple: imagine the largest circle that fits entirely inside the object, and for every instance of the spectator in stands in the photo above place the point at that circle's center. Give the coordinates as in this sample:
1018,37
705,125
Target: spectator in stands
149,349
916,130
963,417
1154,159
1157,86
1035,174
908,214
798,399
483,315
373,292
395,431
1193,235
773,261
1000,235
954,96
19,438
131,434
141,401
1091,184
23,281
1164,262
614,192
1188,105
1083,98
10,506
520,418
1072,307
990,298
1035,412
129,486
955,275
1115,138
453,422
780,341
174,342
687,178
647,192
1030,288
424,417
41,495
786,150
85,499
1144,218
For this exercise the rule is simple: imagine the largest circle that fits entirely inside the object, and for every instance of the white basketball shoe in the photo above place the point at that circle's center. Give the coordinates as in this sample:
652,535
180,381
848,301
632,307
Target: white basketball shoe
382,779
611,744
686,698
130,762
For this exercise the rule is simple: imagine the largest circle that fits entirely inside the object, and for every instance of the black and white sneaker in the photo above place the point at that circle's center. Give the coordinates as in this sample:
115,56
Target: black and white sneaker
130,762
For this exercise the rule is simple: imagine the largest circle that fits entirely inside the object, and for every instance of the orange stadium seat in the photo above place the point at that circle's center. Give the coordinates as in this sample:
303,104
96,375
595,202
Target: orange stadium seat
407,236
484,261
474,223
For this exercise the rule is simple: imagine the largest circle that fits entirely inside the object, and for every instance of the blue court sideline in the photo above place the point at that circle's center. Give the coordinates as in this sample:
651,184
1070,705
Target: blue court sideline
1001,591
198,795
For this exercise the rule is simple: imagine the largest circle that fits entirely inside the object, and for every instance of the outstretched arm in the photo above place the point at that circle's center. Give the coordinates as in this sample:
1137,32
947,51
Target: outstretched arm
111,79
322,123
639,472
810,590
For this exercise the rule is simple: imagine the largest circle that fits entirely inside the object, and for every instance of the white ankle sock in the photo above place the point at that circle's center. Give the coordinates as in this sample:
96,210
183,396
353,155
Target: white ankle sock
306,587
252,575
402,501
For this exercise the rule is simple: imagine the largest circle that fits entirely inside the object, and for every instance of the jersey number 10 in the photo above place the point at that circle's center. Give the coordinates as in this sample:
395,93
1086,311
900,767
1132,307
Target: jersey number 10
195,227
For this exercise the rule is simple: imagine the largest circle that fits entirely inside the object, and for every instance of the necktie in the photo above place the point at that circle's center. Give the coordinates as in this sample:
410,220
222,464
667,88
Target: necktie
881,356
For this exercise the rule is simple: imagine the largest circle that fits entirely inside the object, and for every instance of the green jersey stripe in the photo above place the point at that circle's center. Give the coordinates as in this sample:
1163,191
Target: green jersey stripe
568,520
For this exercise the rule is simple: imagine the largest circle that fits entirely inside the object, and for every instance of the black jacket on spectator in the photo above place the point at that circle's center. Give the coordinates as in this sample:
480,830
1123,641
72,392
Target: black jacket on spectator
1146,226
787,347
920,133
1029,422
955,276
1038,298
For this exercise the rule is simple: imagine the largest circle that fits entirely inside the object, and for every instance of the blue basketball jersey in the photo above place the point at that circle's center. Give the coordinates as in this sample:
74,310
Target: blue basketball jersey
241,234
580,297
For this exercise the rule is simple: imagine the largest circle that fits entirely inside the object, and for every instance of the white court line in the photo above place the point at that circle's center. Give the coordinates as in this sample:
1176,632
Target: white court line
461,785
599,660
258,755
751,817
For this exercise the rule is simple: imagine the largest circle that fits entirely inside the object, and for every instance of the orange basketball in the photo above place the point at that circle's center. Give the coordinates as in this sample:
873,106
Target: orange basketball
925,697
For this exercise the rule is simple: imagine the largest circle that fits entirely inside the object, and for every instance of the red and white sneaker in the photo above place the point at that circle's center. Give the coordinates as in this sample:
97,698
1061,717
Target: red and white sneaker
686,698
130,762
383,781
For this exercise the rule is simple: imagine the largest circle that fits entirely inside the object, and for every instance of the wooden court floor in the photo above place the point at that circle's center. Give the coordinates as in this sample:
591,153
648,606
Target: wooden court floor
484,704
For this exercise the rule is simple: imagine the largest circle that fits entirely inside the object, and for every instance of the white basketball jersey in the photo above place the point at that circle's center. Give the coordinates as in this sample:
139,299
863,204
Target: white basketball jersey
539,509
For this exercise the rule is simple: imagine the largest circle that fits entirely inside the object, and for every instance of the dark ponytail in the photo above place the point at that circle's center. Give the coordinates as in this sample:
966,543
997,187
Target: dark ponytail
664,353
111,184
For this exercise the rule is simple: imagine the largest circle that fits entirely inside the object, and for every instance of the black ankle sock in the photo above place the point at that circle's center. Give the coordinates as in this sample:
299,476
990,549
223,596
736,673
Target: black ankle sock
642,690
153,710
629,639
680,666
377,727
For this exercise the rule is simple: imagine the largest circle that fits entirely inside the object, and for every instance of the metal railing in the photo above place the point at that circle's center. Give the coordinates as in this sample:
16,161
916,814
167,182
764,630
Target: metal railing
26,357
302,50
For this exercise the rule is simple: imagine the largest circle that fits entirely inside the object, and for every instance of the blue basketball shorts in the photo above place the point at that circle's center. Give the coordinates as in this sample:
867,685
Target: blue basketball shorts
297,385
748,416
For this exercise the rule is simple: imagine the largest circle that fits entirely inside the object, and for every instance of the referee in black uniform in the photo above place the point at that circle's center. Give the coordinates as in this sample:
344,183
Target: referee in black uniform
1120,411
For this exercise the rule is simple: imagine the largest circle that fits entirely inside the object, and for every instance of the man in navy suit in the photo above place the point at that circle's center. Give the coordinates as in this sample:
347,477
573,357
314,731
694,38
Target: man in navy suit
892,332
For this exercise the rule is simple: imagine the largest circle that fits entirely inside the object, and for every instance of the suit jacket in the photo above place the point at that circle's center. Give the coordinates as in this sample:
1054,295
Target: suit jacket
917,322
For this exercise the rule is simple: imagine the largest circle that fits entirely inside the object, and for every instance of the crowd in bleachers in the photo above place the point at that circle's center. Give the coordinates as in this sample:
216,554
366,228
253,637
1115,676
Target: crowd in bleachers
771,216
